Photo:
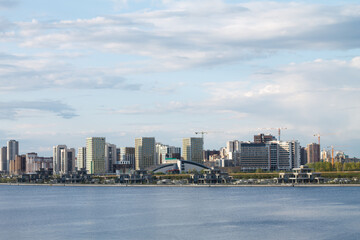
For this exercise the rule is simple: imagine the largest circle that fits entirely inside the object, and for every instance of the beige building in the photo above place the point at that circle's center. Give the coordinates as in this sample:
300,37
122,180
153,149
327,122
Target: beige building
95,155
144,152
193,149
81,158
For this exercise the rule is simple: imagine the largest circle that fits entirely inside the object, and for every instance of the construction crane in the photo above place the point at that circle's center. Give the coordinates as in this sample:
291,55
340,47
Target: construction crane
202,134
332,153
318,135
279,130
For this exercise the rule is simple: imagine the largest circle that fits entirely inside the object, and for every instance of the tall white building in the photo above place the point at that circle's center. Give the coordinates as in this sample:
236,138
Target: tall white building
81,158
285,156
57,158
233,151
12,151
3,159
67,160
233,146
95,155
144,152
193,149
110,157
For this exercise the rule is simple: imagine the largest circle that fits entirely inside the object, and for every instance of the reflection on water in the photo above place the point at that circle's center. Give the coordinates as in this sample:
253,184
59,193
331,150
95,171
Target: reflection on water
44,212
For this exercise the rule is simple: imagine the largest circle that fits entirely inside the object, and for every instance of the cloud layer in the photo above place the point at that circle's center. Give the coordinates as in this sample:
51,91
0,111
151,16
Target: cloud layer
12,110
184,34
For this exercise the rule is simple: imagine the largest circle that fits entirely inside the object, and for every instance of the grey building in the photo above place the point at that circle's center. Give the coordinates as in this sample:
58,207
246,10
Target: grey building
3,159
12,151
193,149
144,153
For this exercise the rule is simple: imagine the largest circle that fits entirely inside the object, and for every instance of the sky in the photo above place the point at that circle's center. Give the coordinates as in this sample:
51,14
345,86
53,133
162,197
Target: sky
123,69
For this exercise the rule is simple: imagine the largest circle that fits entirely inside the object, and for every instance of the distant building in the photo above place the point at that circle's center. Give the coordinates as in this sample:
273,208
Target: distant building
3,159
233,152
110,157
232,146
262,138
313,153
166,151
125,160
193,149
81,158
295,154
303,156
67,160
57,158
18,166
144,153
63,159
254,156
208,153
12,151
95,155
126,154
35,163
285,155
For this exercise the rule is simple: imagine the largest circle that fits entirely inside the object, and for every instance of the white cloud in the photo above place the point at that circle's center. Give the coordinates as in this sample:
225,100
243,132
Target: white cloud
17,109
195,33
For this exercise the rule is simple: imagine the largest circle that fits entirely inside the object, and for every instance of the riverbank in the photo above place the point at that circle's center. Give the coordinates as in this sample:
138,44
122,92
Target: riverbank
181,185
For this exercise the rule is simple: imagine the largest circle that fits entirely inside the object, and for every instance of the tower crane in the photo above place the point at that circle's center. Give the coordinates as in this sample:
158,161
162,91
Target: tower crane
202,134
279,130
332,153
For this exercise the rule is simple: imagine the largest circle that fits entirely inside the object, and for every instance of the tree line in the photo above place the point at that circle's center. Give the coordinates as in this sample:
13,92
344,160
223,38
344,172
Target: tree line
338,166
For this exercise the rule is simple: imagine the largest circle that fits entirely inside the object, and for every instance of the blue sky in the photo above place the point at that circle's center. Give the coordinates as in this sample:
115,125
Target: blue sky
163,68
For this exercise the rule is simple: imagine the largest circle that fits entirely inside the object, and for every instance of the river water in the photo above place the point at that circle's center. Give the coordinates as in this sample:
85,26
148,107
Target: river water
49,212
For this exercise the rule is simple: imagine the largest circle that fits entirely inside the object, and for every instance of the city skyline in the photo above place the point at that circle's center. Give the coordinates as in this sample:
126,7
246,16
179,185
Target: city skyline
168,69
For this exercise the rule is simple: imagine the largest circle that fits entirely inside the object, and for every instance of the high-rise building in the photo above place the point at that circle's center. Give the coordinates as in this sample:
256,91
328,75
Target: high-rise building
233,151
81,158
254,156
274,155
95,155
303,156
57,168
296,154
3,159
193,149
232,146
313,153
110,157
285,155
67,160
262,138
12,151
144,152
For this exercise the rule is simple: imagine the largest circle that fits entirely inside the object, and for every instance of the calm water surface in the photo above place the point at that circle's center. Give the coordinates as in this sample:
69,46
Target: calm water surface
44,212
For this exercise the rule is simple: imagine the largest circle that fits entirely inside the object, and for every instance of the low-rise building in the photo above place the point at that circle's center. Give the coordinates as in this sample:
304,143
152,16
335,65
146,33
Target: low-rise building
303,174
